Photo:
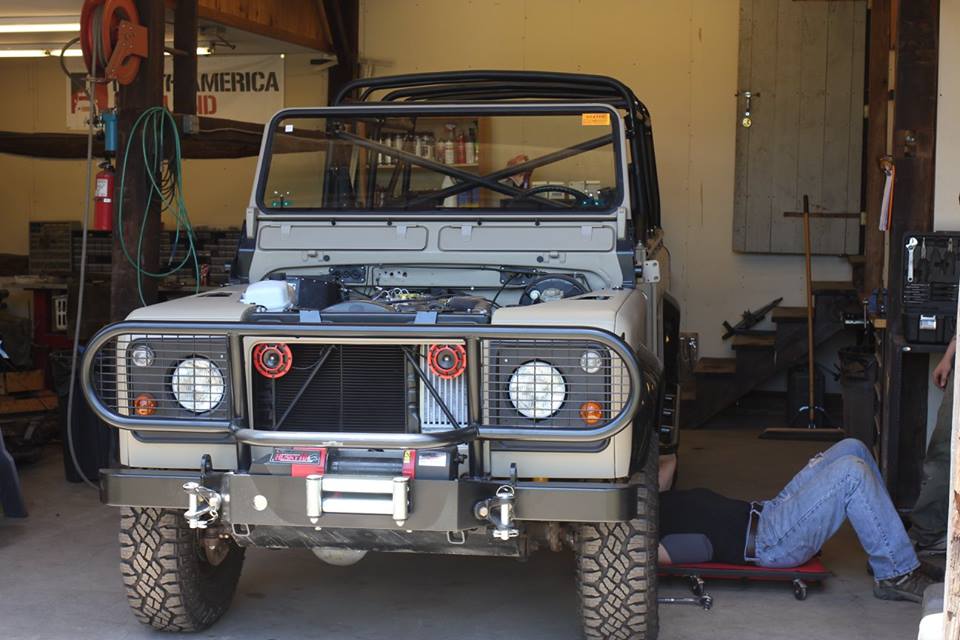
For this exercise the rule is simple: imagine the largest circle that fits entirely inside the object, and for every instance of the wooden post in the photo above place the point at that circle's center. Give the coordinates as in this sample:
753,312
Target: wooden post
905,379
951,588
145,91
344,19
878,99
185,66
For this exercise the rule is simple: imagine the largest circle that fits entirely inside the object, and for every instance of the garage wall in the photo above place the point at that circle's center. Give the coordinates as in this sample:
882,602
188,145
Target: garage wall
946,212
680,57
946,215
34,95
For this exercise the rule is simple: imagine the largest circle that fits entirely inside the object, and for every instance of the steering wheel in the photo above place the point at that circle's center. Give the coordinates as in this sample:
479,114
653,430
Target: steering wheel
570,191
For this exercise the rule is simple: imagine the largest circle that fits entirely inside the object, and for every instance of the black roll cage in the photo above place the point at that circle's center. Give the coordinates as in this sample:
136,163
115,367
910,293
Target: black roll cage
534,86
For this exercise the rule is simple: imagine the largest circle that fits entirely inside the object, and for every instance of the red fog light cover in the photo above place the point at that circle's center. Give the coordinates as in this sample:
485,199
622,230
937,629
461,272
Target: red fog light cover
272,360
447,361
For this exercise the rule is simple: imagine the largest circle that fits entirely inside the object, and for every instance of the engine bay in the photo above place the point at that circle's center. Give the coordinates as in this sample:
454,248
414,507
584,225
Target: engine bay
295,298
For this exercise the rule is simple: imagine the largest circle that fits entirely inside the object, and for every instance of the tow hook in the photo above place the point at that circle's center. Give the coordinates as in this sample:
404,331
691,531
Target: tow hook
500,509
204,505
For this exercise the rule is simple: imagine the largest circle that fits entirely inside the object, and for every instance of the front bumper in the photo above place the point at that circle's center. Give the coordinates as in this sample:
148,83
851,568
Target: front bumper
432,505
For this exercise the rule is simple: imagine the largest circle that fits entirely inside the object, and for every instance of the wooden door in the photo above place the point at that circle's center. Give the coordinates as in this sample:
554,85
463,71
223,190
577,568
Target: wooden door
803,63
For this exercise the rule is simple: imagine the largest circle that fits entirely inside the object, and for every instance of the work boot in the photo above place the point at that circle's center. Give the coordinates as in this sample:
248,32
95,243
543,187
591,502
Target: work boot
909,586
937,547
927,568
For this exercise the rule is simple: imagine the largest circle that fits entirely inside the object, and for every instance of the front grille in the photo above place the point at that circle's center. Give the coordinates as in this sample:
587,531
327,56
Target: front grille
119,380
608,386
358,388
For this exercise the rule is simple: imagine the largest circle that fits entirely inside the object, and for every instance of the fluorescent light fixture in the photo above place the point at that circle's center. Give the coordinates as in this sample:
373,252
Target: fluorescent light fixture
40,25
75,52
201,51
38,53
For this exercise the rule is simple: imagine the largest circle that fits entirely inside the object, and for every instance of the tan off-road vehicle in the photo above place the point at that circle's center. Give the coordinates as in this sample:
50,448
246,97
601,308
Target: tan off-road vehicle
449,334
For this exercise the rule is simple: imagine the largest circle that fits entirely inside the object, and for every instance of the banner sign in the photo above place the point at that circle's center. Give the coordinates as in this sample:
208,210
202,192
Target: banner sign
243,87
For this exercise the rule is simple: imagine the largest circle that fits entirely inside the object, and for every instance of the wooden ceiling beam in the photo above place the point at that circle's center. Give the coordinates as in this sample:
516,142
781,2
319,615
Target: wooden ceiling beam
299,22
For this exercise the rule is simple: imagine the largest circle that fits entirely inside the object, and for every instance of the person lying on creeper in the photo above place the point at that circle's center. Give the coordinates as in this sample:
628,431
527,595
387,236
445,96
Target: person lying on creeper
841,483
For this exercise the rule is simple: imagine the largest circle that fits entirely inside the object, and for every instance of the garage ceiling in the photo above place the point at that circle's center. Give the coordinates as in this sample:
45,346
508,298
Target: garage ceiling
243,41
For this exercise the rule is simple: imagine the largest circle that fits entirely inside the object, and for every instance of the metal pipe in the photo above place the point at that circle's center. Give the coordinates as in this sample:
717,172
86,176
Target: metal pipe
474,404
439,440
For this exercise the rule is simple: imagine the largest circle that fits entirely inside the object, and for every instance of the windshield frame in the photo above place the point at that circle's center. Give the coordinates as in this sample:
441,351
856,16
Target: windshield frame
619,201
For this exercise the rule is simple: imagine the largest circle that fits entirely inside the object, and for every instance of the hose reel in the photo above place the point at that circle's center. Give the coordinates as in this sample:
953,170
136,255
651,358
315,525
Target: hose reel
113,42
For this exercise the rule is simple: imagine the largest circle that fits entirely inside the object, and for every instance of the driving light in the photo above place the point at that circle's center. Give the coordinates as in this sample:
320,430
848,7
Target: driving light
198,385
142,356
537,389
591,361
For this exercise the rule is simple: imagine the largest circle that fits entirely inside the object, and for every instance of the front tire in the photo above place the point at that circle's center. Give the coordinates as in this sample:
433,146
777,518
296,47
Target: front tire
617,568
172,582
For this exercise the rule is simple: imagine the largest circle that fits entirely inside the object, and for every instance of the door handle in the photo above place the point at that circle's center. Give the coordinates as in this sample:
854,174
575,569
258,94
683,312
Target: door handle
747,121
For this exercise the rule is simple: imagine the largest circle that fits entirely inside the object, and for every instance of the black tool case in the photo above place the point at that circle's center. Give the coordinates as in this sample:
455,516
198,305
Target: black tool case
930,286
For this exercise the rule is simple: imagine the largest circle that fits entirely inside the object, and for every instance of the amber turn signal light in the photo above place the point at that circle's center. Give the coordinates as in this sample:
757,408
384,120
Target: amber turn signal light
144,405
591,412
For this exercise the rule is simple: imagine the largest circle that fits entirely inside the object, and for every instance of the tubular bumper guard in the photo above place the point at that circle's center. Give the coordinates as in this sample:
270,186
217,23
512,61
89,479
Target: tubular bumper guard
643,383
430,505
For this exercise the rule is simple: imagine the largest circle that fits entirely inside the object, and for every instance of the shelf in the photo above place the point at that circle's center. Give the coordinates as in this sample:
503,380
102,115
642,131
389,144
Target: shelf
417,167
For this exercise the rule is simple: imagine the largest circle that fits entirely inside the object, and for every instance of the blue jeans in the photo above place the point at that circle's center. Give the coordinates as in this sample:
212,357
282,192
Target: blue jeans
842,482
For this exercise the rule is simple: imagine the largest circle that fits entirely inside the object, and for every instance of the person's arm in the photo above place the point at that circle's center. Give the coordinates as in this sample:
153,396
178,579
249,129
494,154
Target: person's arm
662,556
941,374
668,465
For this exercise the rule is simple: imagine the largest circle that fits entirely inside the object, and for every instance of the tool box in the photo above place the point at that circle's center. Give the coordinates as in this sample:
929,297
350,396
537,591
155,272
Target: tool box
931,269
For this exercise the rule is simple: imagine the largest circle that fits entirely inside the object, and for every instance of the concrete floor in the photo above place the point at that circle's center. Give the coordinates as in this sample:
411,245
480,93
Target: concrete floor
59,576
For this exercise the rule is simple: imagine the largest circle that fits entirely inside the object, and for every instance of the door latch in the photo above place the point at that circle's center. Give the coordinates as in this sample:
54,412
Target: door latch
747,121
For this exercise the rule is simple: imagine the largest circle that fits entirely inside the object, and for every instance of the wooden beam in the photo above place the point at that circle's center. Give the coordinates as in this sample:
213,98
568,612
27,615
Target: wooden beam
298,22
218,138
905,382
878,99
185,63
344,18
144,92
951,591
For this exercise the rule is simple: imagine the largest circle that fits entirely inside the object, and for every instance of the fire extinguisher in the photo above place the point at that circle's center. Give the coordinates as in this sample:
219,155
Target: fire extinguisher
103,200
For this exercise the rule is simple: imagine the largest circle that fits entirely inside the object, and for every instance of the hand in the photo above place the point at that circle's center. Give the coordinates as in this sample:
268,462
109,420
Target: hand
668,466
941,375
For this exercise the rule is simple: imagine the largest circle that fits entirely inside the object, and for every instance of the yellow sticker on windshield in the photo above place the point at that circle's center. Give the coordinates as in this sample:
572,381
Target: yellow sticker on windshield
595,119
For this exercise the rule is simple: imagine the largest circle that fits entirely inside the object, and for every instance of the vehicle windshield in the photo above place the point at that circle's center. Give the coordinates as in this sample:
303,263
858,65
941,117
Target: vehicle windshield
555,162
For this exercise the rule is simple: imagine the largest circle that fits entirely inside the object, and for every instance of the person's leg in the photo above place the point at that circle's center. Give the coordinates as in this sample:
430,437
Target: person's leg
794,528
846,447
929,514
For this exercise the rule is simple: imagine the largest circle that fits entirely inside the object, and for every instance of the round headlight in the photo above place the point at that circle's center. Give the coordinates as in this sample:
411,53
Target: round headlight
142,356
537,389
591,361
197,385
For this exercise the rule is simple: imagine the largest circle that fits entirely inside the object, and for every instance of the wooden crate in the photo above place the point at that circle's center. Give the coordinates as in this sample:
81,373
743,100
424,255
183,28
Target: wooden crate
21,381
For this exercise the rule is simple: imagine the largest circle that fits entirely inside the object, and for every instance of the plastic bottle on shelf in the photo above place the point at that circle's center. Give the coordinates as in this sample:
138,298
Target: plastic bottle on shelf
449,156
398,142
470,148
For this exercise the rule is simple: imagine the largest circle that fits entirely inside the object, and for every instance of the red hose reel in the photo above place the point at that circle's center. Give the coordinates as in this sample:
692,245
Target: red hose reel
113,40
